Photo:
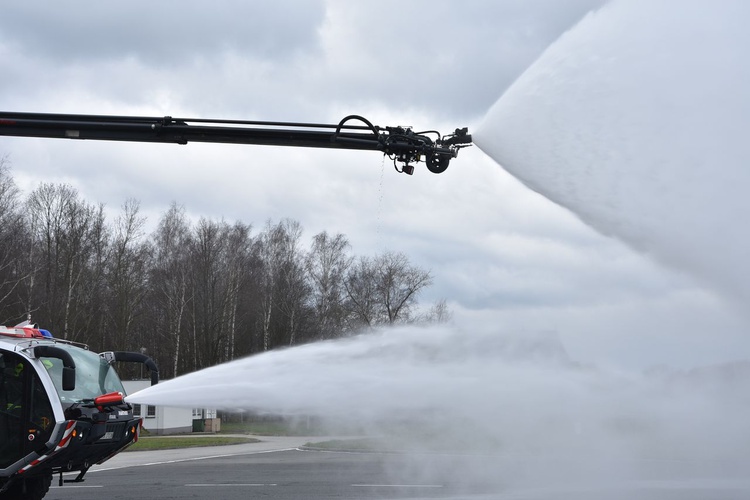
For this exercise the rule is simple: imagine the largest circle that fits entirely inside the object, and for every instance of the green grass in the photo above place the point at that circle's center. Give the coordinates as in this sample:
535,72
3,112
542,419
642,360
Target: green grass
272,428
169,442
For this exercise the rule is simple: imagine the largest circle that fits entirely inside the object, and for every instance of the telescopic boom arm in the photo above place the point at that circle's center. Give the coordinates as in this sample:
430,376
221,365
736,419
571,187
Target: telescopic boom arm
404,146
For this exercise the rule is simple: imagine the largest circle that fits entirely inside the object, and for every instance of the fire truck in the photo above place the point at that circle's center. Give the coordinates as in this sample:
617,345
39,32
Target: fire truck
61,410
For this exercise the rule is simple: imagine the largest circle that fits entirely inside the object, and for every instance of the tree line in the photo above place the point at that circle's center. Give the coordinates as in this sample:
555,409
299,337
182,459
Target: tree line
190,294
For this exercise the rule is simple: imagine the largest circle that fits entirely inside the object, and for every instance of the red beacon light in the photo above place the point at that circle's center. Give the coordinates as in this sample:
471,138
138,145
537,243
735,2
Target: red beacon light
28,332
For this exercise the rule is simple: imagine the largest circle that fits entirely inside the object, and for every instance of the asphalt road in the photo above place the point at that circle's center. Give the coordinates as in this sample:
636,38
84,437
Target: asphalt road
277,469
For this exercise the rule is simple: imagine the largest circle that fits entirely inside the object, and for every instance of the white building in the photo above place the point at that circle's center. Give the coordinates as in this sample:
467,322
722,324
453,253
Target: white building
170,420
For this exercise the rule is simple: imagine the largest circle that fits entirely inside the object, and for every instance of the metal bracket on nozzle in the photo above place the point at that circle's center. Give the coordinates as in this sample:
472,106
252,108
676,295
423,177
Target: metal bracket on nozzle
406,147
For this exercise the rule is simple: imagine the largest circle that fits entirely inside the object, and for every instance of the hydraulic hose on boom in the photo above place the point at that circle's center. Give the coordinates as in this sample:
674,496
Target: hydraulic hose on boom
404,146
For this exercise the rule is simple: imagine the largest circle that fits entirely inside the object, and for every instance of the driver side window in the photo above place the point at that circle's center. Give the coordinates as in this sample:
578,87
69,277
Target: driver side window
26,418
11,407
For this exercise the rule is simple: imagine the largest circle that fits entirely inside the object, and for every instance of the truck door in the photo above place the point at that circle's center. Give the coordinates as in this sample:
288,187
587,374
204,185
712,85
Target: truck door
26,418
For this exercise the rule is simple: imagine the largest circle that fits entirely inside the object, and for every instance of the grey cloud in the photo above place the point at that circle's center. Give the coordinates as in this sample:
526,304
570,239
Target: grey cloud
291,57
455,58
163,33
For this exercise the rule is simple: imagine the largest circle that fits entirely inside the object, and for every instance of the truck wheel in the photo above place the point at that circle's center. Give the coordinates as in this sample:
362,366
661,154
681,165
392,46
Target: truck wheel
36,488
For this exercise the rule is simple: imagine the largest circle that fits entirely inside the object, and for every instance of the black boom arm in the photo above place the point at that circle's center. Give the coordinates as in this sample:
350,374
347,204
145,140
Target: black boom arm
404,146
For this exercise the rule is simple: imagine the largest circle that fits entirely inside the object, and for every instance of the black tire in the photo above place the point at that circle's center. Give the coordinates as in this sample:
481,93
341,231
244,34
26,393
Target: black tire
36,488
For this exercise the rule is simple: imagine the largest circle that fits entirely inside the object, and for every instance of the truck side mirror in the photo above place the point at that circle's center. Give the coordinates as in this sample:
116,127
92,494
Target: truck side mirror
133,357
69,366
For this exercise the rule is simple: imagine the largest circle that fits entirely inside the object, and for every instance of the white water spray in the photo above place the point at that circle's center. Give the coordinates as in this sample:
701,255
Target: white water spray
635,121
514,407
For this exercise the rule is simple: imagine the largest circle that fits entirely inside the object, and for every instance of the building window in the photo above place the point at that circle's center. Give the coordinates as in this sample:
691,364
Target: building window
136,410
197,413
150,411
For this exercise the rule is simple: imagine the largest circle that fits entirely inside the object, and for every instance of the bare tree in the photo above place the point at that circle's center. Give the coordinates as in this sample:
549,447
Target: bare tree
61,225
399,284
204,257
127,275
327,264
169,281
438,313
284,289
92,291
13,232
361,296
236,265
384,290
268,250
46,207
293,292
218,255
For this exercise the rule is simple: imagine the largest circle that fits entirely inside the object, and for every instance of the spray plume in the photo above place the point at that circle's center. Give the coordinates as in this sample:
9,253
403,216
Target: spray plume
637,121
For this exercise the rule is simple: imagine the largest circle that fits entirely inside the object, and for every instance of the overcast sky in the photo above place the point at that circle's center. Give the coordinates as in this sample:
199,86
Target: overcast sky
503,256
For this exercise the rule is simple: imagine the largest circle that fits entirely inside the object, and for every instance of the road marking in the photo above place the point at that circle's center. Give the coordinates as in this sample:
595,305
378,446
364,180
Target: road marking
397,485
193,459
77,486
206,485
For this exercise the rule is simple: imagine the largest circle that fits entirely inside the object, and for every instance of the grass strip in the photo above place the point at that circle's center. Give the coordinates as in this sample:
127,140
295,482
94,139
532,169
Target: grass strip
170,443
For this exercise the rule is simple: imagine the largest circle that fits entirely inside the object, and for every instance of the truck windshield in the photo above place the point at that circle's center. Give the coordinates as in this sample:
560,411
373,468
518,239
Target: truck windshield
94,376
